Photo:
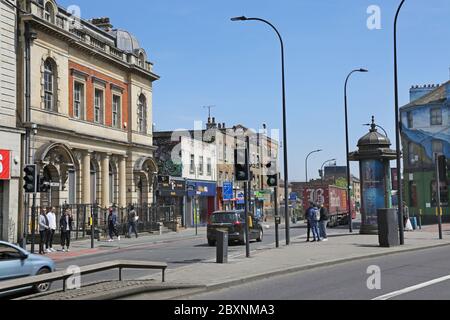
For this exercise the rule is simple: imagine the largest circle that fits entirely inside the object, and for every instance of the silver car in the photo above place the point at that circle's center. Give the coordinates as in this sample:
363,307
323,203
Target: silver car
16,262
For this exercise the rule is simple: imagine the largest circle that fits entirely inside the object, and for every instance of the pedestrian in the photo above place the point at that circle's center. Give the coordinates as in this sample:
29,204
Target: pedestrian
112,225
324,217
308,226
132,220
65,224
314,218
51,216
405,214
43,230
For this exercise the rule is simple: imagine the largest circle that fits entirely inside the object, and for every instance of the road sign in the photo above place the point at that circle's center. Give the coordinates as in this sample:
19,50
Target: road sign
227,191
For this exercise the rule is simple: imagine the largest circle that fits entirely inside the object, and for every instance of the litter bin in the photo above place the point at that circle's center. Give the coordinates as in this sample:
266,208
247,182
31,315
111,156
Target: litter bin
222,246
388,234
413,222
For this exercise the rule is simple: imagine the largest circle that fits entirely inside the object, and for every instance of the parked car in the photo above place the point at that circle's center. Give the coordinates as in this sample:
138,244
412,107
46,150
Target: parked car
16,262
234,223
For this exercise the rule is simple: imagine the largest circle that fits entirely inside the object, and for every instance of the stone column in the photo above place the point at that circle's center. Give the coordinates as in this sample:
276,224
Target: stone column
86,178
105,181
123,182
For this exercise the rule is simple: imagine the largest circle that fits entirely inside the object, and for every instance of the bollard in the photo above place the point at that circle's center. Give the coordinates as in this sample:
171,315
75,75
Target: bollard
222,246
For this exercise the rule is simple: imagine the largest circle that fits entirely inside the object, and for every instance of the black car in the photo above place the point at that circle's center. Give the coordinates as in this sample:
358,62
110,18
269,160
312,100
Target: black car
234,223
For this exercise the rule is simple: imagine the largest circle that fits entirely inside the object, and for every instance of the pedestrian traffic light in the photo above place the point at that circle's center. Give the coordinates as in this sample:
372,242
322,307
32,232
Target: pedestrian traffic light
442,164
30,178
241,167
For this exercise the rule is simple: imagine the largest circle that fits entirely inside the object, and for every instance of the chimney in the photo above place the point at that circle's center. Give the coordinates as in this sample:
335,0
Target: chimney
102,23
417,92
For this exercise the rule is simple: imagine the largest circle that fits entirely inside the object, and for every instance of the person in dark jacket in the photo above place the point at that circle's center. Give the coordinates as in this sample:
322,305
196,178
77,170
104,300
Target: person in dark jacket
132,220
112,225
65,225
324,217
308,226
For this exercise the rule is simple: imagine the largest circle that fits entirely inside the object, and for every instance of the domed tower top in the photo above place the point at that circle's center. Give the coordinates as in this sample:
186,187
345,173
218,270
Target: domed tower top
374,139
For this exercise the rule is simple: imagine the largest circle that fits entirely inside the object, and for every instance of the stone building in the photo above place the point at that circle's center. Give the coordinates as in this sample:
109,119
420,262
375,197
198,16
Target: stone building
91,98
10,137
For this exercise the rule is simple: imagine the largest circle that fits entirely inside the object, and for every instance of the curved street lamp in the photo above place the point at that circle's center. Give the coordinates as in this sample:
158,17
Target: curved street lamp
306,162
286,178
397,135
349,201
321,168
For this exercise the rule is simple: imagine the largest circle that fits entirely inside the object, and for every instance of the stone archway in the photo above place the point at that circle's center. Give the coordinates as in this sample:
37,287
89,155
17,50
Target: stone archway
145,174
59,166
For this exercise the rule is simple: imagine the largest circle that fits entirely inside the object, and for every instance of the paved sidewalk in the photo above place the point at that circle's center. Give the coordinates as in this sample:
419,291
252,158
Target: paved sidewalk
83,247
299,256
267,262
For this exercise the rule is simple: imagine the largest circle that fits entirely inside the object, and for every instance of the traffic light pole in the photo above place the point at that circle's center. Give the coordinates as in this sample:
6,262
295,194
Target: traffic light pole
277,235
33,223
247,197
438,191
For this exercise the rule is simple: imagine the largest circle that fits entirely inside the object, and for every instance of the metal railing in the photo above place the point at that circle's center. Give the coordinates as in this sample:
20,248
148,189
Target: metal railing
150,219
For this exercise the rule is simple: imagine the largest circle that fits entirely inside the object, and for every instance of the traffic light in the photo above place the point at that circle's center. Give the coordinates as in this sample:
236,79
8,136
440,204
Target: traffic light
442,163
272,175
44,185
30,178
272,181
241,167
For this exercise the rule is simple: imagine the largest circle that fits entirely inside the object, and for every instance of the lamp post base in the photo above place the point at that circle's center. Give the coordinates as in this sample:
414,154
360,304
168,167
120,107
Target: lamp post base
369,229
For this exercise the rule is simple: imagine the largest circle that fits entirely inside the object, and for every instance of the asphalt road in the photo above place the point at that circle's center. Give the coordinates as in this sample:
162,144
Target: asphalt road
176,253
349,281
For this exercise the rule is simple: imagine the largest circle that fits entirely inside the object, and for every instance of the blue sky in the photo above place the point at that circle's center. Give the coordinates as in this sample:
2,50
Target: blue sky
205,59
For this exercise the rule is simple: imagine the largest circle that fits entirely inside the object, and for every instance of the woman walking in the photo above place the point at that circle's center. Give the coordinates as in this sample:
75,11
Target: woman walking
65,224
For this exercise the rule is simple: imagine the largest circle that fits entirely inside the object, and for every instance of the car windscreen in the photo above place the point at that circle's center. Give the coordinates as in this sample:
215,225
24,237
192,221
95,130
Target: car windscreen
223,218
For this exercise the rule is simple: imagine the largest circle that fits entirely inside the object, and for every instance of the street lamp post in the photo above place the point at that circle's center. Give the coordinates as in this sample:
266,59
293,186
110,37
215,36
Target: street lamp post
286,177
306,162
397,135
321,168
349,201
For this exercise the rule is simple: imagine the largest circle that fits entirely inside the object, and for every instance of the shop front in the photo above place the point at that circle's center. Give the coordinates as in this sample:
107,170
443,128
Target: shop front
201,202
172,197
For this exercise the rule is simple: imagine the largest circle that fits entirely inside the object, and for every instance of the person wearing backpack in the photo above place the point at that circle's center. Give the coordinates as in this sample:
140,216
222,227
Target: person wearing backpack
324,217
308,221
314,219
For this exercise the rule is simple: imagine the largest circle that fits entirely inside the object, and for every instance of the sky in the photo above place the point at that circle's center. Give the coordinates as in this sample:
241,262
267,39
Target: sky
205,59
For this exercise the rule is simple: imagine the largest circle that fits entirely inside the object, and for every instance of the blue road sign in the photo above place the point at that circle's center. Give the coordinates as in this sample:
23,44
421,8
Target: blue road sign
227,191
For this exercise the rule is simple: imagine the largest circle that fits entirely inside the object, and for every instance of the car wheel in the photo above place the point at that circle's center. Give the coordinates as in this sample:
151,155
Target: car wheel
260,236
42,287
211,243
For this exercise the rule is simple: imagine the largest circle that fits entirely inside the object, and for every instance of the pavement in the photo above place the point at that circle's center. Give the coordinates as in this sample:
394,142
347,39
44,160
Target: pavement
82,248
263,263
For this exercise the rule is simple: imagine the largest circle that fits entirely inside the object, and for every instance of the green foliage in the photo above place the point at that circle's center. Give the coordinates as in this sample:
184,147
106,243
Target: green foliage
341,182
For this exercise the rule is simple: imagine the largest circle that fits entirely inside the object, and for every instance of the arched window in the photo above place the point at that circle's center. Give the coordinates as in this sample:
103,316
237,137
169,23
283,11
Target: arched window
49,13
49,85
142,114
141,60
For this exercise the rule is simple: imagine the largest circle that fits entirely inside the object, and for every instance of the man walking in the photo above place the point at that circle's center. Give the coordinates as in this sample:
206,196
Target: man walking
308,234
112,225
132,219
51,232
314,218
324,217
43,230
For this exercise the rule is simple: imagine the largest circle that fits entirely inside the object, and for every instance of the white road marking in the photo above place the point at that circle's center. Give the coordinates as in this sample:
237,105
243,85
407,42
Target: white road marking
413,288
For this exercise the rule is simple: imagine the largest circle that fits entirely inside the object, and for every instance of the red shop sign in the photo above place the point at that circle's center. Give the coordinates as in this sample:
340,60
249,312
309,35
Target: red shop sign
5,168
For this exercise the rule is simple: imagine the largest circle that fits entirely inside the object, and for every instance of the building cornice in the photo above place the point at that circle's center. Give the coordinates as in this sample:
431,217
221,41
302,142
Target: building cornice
75,41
